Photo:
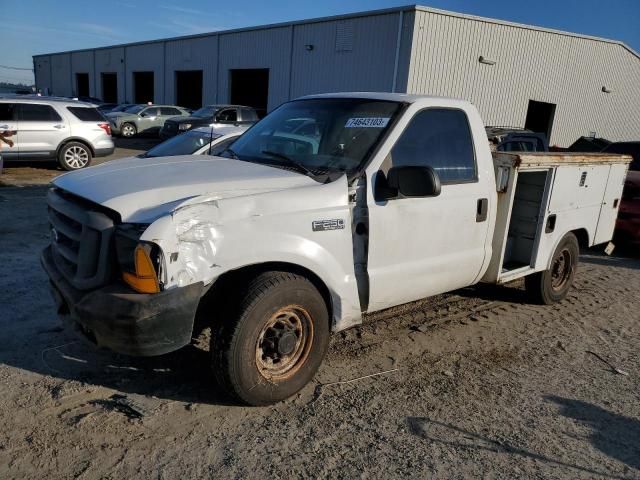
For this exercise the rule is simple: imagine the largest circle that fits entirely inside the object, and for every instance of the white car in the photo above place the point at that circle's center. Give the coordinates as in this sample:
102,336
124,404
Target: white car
199,141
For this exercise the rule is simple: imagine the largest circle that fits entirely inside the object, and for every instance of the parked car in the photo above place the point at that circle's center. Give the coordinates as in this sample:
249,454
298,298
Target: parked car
199,141
628,224
143,118
291,237
106,107
121,107
212,116
513,139
70,131
83,98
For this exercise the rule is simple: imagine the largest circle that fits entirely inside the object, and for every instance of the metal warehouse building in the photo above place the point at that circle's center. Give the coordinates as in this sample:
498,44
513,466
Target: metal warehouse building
564,84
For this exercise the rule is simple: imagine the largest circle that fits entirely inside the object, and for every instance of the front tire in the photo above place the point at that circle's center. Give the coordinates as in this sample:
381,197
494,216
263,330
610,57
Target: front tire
274,343
128,130
74,156
553,285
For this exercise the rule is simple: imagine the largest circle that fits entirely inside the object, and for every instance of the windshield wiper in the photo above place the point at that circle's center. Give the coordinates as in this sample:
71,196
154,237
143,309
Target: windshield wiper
291,162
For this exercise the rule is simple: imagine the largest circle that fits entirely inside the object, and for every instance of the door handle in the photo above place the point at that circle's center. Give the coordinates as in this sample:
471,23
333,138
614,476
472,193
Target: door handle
59,126
482,209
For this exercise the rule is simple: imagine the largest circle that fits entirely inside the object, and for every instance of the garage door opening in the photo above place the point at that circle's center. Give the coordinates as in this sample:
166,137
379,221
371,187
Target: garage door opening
110,87
540,117
250,86
82,84
189,88
142,87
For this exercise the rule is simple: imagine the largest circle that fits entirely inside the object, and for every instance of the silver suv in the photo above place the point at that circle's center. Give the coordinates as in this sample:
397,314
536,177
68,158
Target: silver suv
70,131
143,118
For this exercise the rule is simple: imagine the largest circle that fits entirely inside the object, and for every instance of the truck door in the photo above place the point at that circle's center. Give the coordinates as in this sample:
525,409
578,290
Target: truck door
425,246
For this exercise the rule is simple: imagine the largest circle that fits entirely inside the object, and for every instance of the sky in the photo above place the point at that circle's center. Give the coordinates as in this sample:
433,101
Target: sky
31,27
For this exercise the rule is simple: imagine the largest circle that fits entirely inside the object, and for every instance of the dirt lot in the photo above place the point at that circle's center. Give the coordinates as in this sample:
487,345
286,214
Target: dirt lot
477,383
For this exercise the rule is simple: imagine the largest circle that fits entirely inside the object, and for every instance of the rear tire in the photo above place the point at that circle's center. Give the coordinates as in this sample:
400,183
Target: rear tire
553,285
271,345
128,130
74,156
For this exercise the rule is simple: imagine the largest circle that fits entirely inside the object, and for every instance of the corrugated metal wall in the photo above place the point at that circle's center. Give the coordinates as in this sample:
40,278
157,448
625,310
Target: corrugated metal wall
348,54
110,60
530,64
269,48
42,71
438,55
82,62
192,54
148,57
61,83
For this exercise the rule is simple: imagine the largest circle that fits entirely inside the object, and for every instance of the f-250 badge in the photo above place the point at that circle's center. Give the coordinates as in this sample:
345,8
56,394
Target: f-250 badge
322,225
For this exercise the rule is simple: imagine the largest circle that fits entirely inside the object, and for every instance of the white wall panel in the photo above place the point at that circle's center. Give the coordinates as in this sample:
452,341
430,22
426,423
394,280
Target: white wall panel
192,54
531,64
111,60
147,57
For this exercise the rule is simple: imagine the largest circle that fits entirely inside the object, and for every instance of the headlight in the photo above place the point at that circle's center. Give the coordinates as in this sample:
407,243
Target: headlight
184,126
140,262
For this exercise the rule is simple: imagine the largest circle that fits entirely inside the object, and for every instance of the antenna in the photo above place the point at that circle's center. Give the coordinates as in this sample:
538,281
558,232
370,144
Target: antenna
210,140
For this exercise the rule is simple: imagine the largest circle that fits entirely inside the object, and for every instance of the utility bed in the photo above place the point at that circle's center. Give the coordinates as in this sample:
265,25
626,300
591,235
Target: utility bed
541,196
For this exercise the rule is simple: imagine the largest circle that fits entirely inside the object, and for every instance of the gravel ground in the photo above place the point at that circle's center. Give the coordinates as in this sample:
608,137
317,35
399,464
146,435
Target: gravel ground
476,383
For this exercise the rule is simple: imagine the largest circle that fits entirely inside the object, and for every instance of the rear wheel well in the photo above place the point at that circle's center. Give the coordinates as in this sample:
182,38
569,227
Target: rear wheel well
229,284
77,140
583,237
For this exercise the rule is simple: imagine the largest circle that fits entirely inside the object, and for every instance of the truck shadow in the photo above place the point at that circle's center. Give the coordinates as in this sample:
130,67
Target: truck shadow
434,431
614,435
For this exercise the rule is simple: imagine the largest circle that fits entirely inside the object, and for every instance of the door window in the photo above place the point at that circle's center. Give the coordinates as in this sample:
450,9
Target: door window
151,112
441,139
169,112
6,112
30,112
229,115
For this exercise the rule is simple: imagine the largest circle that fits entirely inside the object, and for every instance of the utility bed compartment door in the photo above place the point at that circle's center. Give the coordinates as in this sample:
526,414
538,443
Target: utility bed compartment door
611,203
576,198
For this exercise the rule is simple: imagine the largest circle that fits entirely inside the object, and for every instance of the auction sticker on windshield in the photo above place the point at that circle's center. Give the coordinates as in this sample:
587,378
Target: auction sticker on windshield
367,122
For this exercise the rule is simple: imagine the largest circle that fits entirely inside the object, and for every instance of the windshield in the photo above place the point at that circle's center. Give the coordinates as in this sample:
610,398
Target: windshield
184,144
134,109
204,112
318,136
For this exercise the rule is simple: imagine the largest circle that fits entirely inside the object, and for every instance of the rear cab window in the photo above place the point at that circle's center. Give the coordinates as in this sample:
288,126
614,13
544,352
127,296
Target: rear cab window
34,112
439,138
87,114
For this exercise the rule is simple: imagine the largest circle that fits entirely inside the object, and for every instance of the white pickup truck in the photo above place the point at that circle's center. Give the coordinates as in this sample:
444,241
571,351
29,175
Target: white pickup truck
332,206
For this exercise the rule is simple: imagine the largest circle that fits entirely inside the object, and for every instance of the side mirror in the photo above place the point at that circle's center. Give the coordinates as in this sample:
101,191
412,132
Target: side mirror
413,181
143,114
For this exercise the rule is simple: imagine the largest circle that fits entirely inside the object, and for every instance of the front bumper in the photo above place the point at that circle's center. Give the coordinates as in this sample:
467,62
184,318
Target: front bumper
131,323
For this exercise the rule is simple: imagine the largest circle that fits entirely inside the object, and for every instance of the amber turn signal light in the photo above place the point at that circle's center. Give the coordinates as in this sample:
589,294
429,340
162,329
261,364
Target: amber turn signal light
145,280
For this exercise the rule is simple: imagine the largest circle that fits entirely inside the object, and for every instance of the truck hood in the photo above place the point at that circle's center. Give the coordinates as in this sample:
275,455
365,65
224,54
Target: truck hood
143,189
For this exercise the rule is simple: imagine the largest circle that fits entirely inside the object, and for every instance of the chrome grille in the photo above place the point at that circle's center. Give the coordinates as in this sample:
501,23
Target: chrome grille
80,239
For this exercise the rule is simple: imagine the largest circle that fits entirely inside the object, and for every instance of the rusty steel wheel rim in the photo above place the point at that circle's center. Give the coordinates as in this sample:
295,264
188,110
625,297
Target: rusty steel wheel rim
561,270
284,343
